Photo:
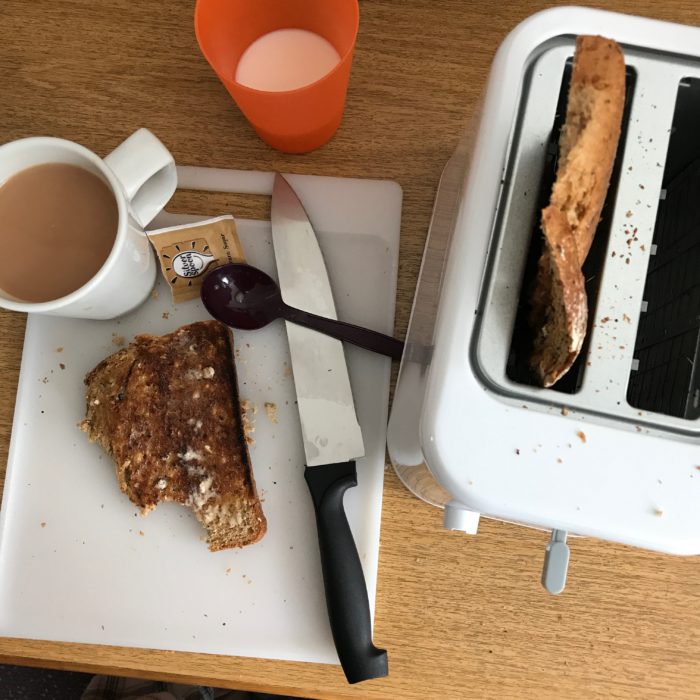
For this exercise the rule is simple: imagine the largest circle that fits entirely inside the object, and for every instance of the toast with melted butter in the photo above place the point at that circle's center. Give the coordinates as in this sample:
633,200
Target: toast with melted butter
166,408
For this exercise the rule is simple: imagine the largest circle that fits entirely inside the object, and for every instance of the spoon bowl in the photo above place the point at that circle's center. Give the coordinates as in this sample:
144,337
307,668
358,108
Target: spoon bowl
241,296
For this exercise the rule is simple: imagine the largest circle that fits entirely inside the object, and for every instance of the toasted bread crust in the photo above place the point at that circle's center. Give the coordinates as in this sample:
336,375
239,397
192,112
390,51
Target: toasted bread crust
590,135
564,297
587,150
166,409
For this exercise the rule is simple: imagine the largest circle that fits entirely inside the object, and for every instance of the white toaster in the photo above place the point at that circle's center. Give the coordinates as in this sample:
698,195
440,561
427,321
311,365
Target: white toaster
613,451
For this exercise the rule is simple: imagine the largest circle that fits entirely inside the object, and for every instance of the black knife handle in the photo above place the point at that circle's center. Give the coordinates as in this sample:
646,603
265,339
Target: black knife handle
346,591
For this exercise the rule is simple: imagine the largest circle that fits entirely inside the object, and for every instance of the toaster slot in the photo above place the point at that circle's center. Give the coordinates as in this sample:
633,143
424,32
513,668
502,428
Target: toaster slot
666,378
517,368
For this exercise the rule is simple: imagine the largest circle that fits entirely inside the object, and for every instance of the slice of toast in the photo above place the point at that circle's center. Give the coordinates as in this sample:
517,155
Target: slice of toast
587,147
589,137
560,295
166,408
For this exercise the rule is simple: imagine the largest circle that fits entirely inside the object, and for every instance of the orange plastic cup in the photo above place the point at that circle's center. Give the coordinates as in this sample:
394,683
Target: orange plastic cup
293,121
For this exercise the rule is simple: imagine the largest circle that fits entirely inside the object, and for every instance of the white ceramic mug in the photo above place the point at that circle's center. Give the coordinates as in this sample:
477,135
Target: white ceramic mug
141,175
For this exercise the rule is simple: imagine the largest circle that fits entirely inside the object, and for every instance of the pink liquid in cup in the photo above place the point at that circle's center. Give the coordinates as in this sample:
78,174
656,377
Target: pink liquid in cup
291,118
286,59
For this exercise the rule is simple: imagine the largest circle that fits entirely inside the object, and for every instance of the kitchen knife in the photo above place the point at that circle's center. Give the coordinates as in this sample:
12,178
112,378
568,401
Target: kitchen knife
330,431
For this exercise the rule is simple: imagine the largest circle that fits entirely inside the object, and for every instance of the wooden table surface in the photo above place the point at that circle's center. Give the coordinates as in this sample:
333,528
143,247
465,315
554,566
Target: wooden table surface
462,617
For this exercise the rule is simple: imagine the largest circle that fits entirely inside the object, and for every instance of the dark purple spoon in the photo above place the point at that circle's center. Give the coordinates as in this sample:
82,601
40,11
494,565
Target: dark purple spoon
244,297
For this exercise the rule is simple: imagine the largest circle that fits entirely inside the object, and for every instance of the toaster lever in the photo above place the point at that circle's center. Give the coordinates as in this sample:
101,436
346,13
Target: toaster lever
556,563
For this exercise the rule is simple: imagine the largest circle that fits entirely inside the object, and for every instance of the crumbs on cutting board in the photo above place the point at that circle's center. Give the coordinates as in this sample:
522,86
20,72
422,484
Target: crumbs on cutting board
271,410
249,410
166,315
59,348
117,339
581,436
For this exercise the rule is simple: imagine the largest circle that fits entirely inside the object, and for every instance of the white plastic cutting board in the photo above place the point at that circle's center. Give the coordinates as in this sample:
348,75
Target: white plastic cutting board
78,563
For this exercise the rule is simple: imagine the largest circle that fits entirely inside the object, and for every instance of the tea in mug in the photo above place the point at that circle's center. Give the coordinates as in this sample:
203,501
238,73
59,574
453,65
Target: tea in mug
58,223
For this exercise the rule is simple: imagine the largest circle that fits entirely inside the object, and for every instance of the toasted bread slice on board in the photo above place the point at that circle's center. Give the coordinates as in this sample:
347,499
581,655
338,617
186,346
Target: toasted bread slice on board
166,408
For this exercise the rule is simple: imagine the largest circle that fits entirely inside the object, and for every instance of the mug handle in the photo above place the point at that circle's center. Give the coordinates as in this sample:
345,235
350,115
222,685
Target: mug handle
146,171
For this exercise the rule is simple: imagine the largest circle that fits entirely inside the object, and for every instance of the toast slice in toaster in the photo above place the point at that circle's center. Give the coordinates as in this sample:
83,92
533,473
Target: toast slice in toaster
166,408
560,297
587,150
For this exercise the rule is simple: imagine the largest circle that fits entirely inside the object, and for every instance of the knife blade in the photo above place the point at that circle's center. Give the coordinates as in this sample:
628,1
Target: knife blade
331,433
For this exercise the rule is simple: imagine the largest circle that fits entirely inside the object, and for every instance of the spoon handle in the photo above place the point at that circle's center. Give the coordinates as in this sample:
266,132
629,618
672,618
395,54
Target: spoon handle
347,332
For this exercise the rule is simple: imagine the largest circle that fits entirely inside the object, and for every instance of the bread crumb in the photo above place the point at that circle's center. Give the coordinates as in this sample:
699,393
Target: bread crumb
248,409
658,512
228,571
628,214
271,410
43,524
564,411
605,319
61,365
560,460
166,315
517,451
140,533
117,339
287,372
626,318
59,349
581,436
154,294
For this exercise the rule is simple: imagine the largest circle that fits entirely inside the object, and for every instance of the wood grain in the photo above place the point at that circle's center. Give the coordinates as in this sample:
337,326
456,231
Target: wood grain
462,617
